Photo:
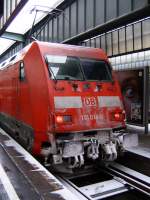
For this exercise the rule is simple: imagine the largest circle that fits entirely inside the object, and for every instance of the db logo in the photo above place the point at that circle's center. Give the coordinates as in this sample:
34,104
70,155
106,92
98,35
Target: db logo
89,101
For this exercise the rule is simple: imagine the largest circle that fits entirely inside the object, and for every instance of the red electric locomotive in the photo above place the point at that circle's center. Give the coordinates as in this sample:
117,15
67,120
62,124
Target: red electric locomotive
62,102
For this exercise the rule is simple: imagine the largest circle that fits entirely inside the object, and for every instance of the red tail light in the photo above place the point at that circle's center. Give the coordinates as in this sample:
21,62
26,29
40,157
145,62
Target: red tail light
59,119
63,119
118,116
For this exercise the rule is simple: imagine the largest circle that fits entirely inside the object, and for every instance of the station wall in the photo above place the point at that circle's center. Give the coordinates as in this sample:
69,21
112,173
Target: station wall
79,16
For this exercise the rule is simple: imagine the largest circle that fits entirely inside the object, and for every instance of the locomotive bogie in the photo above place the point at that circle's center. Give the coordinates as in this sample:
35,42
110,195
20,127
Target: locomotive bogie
80,147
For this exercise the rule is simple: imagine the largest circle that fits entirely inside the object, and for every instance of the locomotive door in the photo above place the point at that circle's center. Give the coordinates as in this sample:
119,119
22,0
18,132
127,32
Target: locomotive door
16,93
15,97
23,96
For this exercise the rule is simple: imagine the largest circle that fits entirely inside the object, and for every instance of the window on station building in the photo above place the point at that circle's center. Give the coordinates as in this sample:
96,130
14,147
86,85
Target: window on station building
60,24
109,43
111,9
124,6
99,12
93,42
38,36
73,20
66,23
97,41
122,40
55,30
83,44
137,36
88,43
50,30
146,33
115,42
81,16
147,55
129,38
42,35
45,33
89,14
103,42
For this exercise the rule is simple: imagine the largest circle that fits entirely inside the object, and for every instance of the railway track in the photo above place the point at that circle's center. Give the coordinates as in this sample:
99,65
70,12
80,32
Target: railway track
133,178
114,182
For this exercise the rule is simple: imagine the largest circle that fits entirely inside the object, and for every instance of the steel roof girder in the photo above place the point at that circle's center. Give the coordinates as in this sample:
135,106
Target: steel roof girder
13,36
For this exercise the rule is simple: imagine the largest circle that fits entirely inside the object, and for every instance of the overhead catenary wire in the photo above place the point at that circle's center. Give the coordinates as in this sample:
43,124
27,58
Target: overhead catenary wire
54,13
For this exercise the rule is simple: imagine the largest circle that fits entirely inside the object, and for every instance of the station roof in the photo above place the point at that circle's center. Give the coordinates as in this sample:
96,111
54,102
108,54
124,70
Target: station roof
24,20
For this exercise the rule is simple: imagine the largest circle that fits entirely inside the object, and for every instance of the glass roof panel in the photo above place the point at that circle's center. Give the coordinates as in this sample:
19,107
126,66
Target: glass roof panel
23,21
5,44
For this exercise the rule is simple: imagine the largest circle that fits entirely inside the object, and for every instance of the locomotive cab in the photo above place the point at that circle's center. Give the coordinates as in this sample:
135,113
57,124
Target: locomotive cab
87,109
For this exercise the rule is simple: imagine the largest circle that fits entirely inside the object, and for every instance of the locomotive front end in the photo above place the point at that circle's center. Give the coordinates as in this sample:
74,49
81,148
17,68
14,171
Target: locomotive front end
88,112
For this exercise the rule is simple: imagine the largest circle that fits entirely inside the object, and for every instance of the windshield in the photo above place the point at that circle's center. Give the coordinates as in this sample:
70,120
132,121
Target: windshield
96,70
74,68
64,67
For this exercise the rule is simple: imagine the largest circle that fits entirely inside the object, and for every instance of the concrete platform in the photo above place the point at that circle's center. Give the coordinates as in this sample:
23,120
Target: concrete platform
22,177
138,157
143,148
139,150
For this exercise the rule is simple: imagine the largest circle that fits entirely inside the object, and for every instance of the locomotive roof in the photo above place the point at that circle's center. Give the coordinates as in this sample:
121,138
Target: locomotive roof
72,50
56,48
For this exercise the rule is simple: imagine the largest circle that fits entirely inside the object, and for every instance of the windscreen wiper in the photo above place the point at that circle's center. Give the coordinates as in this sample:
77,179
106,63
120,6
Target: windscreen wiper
51,71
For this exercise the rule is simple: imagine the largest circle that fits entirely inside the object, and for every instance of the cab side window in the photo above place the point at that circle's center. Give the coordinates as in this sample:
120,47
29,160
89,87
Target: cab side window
21,71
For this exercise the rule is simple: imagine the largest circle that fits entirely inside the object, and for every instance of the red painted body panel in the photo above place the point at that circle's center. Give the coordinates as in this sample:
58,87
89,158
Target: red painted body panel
32,101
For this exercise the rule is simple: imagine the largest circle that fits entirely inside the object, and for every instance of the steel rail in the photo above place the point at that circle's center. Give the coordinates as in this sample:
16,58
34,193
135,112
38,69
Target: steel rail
99,194
130,180
133,178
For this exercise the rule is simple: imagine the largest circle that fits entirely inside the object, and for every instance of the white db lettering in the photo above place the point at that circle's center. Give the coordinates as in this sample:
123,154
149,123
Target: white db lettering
89,101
